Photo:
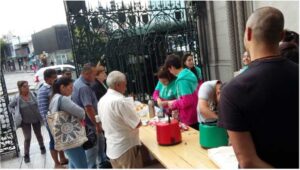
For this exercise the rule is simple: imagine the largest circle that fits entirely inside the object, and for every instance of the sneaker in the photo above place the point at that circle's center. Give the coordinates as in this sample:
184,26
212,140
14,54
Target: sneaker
105,165
43,150
26,159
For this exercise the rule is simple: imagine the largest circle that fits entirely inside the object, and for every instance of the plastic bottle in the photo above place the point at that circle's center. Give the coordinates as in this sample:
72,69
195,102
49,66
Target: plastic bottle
151,109
160,113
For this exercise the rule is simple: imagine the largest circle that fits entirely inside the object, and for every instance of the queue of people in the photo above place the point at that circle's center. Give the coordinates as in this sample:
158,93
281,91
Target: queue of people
251,106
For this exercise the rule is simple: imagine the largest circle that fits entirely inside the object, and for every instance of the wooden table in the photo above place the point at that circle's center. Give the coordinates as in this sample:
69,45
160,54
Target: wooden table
187,154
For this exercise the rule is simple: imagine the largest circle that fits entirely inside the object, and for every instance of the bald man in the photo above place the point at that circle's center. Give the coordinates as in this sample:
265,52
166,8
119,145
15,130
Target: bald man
259,108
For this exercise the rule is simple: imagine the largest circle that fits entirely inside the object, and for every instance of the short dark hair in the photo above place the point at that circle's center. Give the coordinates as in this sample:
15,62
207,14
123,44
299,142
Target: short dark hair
289,47
163,72
267,24
291,36
65,81
87,67
289,50
172,60
49,73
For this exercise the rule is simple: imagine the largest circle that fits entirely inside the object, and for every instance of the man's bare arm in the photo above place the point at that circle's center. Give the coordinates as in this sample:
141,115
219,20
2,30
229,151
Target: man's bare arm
205,110
245,151
91,114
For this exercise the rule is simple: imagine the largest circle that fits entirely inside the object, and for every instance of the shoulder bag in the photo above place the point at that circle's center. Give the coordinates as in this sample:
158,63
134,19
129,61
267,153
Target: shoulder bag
66,129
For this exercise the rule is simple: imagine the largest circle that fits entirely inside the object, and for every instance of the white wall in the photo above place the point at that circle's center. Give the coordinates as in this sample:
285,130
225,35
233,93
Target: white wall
221,67
290,10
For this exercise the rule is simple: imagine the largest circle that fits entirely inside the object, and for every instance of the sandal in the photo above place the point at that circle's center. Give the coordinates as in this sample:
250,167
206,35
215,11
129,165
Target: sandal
64,163
59,167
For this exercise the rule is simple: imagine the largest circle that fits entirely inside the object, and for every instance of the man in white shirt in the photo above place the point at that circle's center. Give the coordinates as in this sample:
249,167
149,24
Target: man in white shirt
208,99
120,123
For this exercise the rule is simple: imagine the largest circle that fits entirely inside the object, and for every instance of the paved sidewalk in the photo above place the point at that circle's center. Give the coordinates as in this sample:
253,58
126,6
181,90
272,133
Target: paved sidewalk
37,160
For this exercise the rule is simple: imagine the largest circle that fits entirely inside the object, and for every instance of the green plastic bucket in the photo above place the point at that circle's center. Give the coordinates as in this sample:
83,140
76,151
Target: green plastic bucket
212,136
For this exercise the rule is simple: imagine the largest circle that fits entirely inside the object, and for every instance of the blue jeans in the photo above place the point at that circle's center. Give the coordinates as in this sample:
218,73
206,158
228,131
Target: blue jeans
96,153
51,143
77,158
91,156
101,148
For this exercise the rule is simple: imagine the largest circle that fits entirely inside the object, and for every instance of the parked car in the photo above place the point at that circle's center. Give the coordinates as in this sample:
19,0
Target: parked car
39,75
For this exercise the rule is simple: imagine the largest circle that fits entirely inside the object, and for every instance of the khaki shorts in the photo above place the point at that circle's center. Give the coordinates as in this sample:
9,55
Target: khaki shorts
130,159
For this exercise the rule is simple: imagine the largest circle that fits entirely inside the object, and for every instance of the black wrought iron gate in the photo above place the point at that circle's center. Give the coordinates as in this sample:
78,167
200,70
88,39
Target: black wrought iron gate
133,38
8,139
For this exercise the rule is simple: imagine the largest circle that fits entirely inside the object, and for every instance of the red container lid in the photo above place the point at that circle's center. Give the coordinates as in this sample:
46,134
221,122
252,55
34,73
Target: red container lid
165,123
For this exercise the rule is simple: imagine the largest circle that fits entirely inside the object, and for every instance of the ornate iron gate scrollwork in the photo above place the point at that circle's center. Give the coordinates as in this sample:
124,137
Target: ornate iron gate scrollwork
8,139
132,38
